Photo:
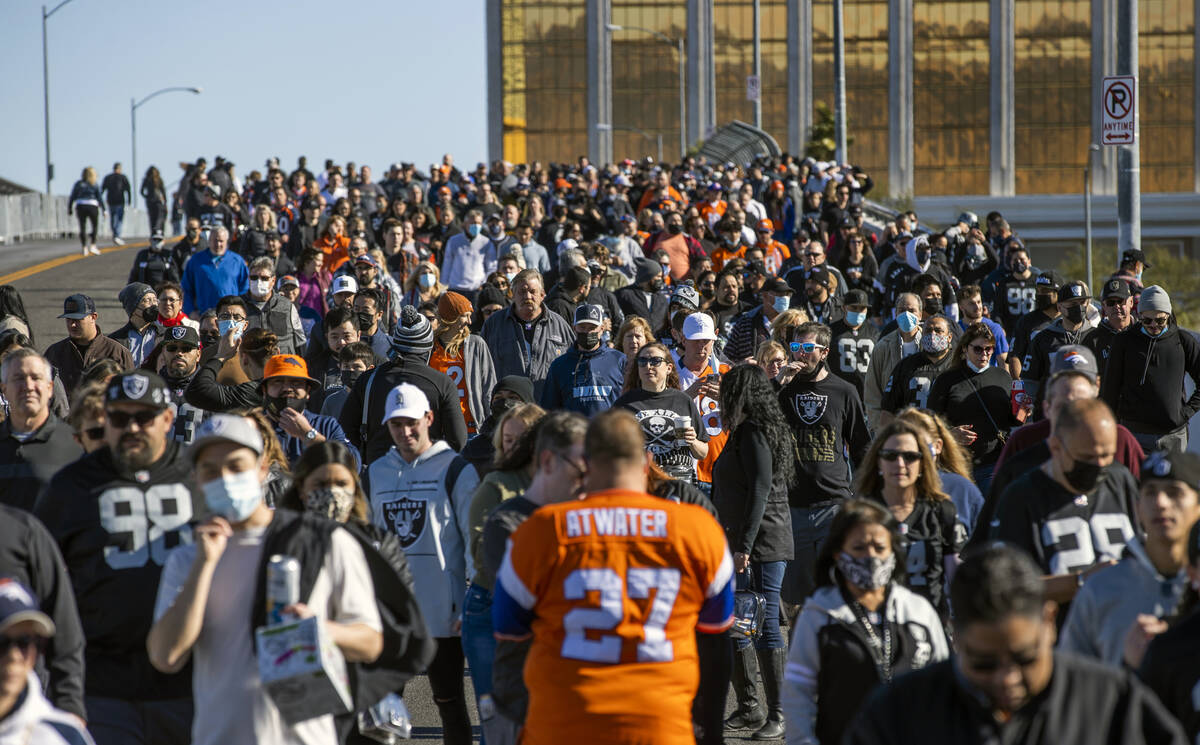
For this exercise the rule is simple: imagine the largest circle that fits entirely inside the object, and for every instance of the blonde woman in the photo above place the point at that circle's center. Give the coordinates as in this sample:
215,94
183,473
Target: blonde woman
785,325
953,464
87,205
464,358
424,285
899,473
771,356
634,334
264,224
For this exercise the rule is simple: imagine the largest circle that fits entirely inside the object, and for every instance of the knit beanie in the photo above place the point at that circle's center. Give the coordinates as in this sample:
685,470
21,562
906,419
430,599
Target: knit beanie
1154,298
131,296
414,333
491,295
451,305
647,269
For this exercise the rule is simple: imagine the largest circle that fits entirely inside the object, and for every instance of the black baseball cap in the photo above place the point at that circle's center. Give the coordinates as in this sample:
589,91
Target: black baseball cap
1050,278
1117,288
78,306
180,334
818,274
777,286
855,297
757,267
1163,464
1074,290
139,387
1134,254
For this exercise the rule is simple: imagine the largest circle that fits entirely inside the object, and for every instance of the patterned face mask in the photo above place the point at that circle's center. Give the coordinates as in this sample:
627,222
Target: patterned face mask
333,502
869,572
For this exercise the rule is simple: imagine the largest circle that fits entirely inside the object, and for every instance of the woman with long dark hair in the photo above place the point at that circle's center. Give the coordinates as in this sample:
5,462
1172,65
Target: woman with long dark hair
860,629
155,195
12,312
750,486
899,473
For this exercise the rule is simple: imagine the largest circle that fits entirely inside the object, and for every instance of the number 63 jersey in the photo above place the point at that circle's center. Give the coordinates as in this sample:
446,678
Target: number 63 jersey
613,588
115,530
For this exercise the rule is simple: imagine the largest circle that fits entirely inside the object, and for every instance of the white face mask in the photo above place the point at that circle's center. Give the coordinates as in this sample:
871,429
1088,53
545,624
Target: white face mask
260,287
234,497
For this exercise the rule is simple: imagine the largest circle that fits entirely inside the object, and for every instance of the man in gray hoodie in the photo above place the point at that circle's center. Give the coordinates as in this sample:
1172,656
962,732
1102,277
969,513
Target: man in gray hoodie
1119,609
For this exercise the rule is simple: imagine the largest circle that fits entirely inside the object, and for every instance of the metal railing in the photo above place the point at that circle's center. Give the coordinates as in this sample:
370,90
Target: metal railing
36,216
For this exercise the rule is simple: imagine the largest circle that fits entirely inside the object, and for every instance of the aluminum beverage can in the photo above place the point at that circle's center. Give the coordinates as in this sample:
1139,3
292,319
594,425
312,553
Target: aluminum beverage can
1019,396
283,587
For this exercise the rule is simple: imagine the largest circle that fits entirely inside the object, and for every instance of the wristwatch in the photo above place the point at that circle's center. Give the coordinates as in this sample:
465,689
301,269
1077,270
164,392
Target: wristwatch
310,435
1079,580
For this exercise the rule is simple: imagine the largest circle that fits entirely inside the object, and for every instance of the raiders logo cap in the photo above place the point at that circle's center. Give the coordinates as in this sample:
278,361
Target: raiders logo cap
140,387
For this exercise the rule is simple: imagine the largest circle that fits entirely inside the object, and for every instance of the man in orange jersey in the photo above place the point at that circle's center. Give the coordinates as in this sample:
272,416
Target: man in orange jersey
613,588
700,377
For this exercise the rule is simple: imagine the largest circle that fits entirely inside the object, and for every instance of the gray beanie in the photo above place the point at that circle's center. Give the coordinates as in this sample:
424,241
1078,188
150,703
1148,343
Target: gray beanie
131,296
414,333
1154,298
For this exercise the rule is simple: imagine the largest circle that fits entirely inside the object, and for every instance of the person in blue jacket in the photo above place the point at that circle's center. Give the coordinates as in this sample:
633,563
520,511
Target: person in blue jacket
213,274
587,378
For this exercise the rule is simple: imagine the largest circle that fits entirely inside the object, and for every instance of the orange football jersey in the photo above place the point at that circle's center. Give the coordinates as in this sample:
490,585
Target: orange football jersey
616,583
710,417
454,369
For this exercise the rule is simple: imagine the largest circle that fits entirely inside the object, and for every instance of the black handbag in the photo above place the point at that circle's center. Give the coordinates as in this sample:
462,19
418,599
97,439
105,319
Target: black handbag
749,612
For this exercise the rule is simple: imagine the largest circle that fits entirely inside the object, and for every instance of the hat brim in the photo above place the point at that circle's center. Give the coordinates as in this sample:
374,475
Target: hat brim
45,626
403,413
196,447
701,337
76,316
263,383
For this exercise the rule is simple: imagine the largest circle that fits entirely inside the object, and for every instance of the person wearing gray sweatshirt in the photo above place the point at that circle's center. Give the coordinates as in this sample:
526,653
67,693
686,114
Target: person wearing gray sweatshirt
1146,584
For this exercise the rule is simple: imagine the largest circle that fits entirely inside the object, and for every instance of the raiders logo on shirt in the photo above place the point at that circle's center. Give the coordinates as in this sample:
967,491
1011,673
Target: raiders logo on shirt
406,517
810,407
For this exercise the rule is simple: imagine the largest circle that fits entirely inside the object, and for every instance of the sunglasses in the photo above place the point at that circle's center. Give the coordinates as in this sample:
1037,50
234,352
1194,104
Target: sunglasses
24,643
177,348
982,350
1155,321
262,277
1114,303
813,254
93,433
121,419
908,456
808,347
650,361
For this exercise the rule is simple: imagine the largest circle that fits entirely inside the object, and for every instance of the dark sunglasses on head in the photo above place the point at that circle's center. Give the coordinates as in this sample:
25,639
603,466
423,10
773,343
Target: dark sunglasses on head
1113,302
121,419
650,361
909,456
25,643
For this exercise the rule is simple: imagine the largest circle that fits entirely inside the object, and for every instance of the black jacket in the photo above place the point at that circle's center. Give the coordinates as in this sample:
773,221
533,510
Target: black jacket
29,555
1144,380
751,503
154,268
204,392
1085,702
26,467
362,413
632,300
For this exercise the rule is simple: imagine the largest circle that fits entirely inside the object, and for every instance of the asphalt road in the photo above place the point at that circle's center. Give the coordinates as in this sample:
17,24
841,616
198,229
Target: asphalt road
102,277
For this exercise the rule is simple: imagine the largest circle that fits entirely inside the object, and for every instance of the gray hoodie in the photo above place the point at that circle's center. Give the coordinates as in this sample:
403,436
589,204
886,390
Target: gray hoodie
1110,601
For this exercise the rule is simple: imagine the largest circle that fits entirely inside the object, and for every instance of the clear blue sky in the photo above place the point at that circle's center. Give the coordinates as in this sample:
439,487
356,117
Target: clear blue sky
373,81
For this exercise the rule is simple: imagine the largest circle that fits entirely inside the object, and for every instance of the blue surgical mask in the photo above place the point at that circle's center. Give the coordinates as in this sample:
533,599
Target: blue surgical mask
473,230
975,369
224,326
782,303
427,280
234,497
856,317
907,321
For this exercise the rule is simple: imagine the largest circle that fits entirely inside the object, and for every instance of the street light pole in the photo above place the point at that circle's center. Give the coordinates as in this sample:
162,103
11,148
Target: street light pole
678,44
133,107
839,81
46,90
1087,211
758,64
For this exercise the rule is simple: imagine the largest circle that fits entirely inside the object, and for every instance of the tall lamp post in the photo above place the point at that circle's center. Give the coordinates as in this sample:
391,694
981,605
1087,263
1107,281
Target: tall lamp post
1087,211
133,107
678,44
46,89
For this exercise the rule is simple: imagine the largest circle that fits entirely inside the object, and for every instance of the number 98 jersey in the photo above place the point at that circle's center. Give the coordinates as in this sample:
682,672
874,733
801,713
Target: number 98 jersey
115,530
613,588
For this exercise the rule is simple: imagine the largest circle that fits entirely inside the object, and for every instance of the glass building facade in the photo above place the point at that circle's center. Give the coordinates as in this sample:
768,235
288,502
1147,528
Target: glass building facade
544,85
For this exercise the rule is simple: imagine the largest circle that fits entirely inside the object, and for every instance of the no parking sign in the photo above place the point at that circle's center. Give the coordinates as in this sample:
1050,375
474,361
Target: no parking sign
1118,99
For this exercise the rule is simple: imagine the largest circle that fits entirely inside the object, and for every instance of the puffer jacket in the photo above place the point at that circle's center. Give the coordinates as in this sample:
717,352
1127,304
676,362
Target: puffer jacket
830,670
410,500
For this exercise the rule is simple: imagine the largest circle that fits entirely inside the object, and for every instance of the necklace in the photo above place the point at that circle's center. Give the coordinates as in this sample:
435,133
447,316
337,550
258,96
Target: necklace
881,649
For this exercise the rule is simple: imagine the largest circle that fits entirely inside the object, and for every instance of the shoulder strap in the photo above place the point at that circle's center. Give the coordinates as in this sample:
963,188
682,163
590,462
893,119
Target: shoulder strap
452,471
362,426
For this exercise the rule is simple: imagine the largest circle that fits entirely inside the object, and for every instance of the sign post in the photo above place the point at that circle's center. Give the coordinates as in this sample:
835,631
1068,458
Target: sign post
1118,97
753,88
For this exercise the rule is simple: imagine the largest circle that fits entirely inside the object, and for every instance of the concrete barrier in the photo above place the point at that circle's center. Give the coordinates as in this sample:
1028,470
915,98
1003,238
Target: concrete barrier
36,216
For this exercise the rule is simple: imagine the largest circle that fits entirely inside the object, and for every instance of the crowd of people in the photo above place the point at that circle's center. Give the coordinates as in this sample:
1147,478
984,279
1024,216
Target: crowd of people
594,431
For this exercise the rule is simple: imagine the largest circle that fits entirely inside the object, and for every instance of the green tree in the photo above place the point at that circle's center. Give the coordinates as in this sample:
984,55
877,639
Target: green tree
822,143
1175,274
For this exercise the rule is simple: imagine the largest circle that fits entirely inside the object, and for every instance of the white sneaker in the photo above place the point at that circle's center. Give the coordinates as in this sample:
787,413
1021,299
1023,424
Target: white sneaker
118,241
85,251
93,250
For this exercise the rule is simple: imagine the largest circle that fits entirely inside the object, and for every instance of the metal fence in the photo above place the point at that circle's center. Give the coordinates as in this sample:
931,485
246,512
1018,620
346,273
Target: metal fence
37,216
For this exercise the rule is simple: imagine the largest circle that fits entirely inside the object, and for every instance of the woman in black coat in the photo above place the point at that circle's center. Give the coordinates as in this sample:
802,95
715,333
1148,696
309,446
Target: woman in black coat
750,492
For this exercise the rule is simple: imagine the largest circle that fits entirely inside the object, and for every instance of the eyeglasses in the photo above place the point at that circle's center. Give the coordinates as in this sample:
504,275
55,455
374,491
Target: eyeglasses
25,643
908,456
177,348
650,361
93,433
1159,321
262,277
230,317
982,350
169,300
121,419
808,347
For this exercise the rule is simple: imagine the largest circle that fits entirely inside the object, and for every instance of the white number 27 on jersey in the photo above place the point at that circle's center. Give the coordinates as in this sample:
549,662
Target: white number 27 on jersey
653,647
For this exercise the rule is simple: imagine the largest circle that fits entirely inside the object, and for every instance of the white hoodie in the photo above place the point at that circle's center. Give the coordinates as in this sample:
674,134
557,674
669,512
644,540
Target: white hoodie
410,500
36,721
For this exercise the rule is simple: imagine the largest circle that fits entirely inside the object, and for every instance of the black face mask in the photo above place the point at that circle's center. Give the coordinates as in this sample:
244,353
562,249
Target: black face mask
1084,476
932,306
656,284
210,338
809,376
674,229
276,404
1044,302
922,255
146,315
365,319
589,340
350,377
501,406
1074,314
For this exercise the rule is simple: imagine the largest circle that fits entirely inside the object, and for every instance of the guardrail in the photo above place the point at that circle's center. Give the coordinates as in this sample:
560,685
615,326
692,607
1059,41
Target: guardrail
37,216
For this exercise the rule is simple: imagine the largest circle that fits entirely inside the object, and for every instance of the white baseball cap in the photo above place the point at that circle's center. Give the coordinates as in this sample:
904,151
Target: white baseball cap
226,428
405,400
699,326
343,283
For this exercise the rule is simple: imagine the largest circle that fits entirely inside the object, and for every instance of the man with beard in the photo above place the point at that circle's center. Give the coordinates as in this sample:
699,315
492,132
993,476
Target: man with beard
912,377
1117,309
822,304
140,334
853,340
178,360
1014,293
1071,327
116,514
830,423
285,390
643,297
970,305
727,304
34,443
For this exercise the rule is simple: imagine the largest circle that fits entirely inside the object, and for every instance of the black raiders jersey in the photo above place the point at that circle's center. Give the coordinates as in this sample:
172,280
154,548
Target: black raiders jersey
1014,298
929,534
850,351
910,381
1063,531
